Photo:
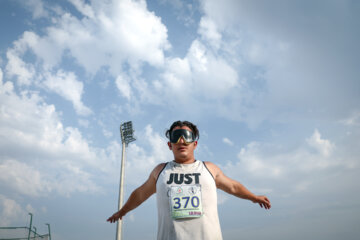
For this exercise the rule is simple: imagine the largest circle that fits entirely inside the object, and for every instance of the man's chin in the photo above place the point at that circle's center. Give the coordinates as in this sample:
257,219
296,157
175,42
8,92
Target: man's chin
182,157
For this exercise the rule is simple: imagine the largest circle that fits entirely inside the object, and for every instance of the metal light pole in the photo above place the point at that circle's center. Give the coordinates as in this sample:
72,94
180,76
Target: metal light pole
30,225
126,132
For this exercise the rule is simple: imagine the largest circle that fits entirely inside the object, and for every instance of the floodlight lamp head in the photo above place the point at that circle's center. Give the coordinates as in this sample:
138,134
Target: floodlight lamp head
126,132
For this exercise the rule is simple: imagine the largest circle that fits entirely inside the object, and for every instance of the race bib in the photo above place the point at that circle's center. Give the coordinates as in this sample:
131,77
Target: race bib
185,201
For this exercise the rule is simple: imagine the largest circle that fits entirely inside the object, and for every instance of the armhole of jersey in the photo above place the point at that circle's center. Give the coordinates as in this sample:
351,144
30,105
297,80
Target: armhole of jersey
160,172
208,170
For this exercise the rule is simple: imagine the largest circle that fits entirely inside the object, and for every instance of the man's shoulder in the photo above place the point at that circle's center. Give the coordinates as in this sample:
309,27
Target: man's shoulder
214,170
160,166
210,164
155,173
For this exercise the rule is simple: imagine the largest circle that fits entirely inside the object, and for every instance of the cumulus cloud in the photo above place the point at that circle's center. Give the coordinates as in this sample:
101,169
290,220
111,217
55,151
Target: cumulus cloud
270,63
352,120
23,178
16,67
36,148
254,163
325,147
299,167
63,83
208,30
116,32
66,85
213,75
288,61
37,8
301,159
10,211
228,141
118,36
122,83
199,76
83,8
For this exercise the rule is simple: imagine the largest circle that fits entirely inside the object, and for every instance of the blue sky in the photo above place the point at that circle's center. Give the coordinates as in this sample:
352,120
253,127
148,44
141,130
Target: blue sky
272,85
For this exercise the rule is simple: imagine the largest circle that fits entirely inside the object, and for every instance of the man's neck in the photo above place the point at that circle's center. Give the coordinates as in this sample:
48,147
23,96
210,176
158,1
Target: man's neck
186,161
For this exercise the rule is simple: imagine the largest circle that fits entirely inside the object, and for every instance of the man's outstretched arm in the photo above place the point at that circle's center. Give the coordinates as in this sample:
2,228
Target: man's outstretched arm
138,196
235,188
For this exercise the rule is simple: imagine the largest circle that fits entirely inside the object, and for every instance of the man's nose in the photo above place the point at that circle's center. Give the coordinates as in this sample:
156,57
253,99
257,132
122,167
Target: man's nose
182,141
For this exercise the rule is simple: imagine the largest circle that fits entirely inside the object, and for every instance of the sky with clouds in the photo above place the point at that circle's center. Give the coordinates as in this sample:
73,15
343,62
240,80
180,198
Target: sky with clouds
272,85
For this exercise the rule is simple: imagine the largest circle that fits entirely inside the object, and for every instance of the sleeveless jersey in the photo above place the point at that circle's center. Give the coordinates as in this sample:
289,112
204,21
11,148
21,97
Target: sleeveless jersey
187,203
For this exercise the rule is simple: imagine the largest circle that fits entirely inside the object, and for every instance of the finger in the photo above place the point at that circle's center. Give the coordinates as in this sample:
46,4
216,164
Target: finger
111,219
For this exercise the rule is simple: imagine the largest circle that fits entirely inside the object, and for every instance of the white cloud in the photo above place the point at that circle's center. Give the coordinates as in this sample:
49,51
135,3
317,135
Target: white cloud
63,83
325,147
122,83
263,159
37,149
268,166
10,211
185,82
37,8
117,36
200,75
251,158
22,178
298,65
352,120
66,85
228,141
116,33
16,67
84,8
208,30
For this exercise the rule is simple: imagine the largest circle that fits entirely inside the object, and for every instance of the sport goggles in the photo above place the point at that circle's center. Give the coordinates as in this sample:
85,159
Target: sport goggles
187,135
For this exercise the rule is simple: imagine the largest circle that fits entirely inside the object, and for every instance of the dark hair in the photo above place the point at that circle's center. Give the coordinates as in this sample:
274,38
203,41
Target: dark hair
182,124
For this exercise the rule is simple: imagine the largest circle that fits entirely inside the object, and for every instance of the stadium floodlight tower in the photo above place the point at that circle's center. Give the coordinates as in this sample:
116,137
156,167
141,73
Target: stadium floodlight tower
126,132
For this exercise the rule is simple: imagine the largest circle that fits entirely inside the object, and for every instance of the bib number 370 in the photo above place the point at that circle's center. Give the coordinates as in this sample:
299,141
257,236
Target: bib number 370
184,201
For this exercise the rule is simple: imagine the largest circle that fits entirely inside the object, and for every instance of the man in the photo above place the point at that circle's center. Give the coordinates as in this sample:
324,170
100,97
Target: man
186,190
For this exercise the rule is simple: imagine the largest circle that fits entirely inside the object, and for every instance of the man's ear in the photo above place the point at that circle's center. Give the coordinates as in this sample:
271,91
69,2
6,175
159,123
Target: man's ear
169,144
195,144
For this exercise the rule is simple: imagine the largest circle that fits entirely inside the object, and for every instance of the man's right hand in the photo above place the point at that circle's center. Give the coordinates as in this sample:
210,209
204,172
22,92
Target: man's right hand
115,217
263,201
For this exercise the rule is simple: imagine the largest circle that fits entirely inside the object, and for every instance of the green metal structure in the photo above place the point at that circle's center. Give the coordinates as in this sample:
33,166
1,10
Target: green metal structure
23,233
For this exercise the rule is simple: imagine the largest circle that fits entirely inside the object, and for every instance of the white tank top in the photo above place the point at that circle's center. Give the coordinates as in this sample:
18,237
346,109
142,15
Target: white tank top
187,203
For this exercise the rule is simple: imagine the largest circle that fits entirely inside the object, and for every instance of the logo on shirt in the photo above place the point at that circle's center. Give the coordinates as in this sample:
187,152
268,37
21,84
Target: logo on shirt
181,178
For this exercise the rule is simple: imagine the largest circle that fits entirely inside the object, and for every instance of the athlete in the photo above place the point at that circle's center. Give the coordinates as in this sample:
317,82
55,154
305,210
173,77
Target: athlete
186,190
